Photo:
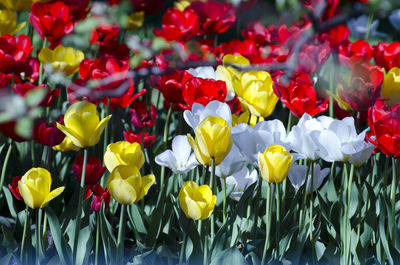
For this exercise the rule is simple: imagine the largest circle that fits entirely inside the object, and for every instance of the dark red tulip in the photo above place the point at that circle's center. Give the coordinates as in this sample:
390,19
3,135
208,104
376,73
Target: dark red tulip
257,32
94,170
99,196
140,116
47,134
8,130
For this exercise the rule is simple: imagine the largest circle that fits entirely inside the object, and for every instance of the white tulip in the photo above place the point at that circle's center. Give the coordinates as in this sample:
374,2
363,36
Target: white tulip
297,176
242,180
231,164
180,159
199,113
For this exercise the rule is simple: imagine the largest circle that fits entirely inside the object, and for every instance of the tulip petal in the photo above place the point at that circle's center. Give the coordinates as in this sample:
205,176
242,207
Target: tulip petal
193,209
27,195
75,139
147,182
94,139
52,195
122,192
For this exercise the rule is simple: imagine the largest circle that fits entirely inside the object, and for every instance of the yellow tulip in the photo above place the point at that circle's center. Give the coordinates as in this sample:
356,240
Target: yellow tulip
197,202
244,118
123,153
135,20
127,186
391,86
82,124
8,22
227,72
255,92
34,188
63,59
274,163
66,145
17,5
213,140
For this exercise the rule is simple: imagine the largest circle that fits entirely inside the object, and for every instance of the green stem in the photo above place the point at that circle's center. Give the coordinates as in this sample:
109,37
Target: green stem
37,237
224,203
80,200
4,169
121,234
278,218
21,256
267,223
212,217
311,201
41,64
205,250
346,217
393,200
183,246
44,227
96,255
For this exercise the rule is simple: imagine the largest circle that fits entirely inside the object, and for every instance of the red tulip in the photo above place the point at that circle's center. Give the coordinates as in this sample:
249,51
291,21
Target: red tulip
300,96
384,123
352,53
329,7
94,170
246,48
8,130
203,91
257,32
104,33
14,51
99,196
47,134
51,20
364,88
140,116
24,88
132,137
336,36
387,55
171,86
78,9
13,186
215,17
312,57
178,26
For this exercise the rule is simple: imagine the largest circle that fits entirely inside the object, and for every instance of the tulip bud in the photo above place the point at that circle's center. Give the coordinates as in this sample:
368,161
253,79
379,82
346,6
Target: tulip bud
34,188
63,59
391,86
123,153
100,196
82,124
127,186
274,163
13,186
213,140
197,202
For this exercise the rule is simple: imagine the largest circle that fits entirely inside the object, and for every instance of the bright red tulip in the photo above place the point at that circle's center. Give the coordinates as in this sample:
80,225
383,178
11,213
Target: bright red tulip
14,51
258,33
13,187
336,36
94,170
178,26
215,17
300,96
387,55
171,86
384,123
51,20
352,53
132,137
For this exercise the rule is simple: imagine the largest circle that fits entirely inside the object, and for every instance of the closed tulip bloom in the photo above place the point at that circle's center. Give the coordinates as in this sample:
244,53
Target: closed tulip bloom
274,163
391,86
34,188
123,153
8,22
255,92
127,186
213,140
63,59
197,202
82,124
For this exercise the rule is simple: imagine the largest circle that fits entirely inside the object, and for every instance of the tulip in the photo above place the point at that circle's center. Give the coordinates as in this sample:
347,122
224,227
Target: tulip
197,202
100,196
34,188
391,86
198,113
47,134
298,176
82,124
241,180
63,59
94,170
13,187
140,116
213,140
180,159
255,93
246,117
66,145
17,5
8,22
386,54
14,52
228,72
274,163
132,137
123,153
127,186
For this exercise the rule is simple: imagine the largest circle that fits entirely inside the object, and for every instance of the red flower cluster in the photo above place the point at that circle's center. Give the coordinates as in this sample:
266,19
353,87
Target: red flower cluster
94,170
132,137
140,116
100,196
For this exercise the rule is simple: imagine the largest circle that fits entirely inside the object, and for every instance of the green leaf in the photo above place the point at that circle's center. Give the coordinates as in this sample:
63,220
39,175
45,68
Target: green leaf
220,196
228,257
136,218
85,244
382,234
107,235
319,249
189,248
7,235
63,250
10,202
